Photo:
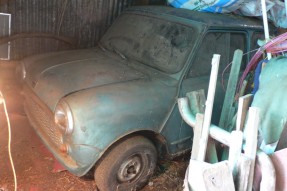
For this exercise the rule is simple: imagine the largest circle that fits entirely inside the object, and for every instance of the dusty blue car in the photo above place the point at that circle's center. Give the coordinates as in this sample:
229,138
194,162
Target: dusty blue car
113,108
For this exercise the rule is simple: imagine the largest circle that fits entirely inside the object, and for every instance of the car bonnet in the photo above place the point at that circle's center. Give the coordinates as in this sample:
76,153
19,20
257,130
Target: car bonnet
53,76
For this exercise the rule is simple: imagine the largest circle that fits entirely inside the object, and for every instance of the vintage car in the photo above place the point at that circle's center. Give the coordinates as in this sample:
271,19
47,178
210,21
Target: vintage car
113,108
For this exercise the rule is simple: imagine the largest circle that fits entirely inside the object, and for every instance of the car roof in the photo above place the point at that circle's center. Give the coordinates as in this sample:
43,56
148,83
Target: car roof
210,19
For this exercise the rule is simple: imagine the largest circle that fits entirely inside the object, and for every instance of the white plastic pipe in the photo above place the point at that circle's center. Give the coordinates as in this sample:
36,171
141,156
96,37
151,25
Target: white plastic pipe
208,106
265,24
215,132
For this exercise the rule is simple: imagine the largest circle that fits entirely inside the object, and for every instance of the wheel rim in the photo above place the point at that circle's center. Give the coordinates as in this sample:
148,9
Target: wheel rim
130,169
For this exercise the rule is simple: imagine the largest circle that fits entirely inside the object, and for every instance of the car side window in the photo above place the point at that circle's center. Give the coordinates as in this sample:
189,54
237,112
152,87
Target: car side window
223,43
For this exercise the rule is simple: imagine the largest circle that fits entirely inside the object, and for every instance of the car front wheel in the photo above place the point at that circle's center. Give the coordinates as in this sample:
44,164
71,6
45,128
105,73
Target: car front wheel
127,166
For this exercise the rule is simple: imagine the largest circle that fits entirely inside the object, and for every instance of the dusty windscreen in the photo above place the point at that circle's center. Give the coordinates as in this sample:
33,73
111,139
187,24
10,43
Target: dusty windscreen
158,43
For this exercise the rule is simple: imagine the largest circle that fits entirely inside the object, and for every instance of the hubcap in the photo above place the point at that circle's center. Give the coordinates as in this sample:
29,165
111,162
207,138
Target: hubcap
130,169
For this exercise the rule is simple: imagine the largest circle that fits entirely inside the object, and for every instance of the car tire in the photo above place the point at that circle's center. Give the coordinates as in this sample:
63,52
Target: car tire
127,166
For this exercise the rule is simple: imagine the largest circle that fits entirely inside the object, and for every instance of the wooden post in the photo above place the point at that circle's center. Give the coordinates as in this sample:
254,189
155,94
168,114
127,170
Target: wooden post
196,136
209,106
241,180
251,140
235,151
205,177
243,105
211,153
231,89
196,101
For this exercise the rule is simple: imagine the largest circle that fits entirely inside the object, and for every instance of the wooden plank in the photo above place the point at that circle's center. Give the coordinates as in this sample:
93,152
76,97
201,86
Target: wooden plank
231,119
231,88
205,177
243,105
211,153
243,88
241,180
196,136
235,151
209,107
251,141
196,101
218,177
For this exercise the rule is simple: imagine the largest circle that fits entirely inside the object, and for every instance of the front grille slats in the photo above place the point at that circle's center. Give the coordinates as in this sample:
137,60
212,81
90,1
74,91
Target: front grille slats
44,120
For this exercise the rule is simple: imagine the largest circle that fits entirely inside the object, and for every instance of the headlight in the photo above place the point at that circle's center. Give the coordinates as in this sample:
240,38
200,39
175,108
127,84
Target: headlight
64,118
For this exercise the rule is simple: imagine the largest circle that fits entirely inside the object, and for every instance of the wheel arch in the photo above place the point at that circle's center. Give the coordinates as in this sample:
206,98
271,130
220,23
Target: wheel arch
157,139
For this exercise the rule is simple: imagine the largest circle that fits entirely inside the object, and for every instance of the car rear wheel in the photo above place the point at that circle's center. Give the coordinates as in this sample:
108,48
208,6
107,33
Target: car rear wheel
127,166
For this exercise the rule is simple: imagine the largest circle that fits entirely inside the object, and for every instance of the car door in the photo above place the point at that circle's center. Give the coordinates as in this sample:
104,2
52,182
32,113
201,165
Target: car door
214,42
197,77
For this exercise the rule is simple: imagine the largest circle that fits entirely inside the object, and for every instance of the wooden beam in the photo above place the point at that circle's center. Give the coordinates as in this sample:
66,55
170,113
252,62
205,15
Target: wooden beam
231,89
208,107
241,180
243,105
251,130
196,101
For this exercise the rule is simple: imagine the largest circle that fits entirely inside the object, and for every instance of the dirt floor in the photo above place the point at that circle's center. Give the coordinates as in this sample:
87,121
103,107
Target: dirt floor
36,168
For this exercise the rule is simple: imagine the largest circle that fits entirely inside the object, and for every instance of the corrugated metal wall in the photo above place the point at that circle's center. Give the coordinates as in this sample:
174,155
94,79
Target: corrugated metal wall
84,20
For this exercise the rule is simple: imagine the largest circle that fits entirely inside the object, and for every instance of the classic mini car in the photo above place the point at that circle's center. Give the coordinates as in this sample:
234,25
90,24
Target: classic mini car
113,108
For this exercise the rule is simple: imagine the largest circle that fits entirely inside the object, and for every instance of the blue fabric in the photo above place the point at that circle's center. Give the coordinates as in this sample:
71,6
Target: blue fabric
217,7
214,6
231,4
256,76
178,3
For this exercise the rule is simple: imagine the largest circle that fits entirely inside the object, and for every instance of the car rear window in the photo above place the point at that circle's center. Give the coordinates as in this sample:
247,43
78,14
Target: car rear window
158,43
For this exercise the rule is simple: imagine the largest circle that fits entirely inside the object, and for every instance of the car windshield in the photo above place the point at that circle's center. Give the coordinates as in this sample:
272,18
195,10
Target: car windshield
158,43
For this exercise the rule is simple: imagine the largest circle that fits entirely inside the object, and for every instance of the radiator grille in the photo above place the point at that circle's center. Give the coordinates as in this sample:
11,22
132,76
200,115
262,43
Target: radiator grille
43,121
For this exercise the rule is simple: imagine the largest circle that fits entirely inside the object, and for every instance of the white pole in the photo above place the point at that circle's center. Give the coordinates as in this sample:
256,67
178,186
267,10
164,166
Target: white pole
209,106
265,23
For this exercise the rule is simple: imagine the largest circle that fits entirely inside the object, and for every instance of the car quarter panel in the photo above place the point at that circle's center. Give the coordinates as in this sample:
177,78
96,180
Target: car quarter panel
104,114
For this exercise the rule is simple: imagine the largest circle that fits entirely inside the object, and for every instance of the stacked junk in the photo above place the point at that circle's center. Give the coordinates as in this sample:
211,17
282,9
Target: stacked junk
252,128
247,149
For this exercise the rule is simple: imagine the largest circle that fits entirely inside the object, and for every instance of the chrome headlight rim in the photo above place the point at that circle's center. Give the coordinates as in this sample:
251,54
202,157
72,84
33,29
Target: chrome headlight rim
63,114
